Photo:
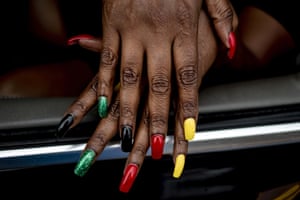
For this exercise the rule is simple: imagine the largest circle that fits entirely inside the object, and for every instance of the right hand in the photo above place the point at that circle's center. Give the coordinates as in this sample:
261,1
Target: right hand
108,126
161,35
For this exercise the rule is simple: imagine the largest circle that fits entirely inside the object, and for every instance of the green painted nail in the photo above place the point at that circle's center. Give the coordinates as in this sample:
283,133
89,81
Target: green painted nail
102,106
85,162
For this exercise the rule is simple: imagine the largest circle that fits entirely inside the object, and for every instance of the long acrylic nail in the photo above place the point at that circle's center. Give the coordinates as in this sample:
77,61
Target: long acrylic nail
157,145
189,128
64,125
128,177
126,139
85,162
74,40
179,165
102,106
232,44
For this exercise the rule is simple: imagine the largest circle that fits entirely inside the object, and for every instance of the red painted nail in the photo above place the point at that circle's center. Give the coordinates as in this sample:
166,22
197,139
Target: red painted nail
128,177
74,40
232,44
157,145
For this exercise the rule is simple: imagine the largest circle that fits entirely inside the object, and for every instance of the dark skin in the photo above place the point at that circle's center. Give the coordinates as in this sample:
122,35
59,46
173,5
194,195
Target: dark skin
108,126
164,34
248,50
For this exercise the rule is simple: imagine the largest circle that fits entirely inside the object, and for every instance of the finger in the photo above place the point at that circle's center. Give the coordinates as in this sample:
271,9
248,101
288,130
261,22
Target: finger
159,74
86,41
92,44
107,69
75,39
207,45
104,132
187,75
207,49
79,108
131,72
180,149
225,21
137,155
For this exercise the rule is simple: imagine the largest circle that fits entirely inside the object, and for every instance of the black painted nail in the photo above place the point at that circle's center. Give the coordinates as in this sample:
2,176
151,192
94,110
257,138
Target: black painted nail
64,125
126,139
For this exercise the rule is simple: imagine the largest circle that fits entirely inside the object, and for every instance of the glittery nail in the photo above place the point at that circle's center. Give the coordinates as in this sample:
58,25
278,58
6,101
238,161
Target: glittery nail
85,162
102,106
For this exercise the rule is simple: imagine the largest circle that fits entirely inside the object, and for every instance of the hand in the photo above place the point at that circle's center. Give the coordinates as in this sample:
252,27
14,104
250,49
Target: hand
108,126
164,35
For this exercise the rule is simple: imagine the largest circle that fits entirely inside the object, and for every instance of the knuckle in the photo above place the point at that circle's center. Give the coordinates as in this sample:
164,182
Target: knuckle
127,19
188,75
99,140
126,112
160,84
81,106
226,14
129,76
183,14
181,141
222,13
189,108
158,121
157,17
114,111
108,58
139,149
109,10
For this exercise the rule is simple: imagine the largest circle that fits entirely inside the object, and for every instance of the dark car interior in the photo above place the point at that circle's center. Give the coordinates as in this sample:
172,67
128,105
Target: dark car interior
248,132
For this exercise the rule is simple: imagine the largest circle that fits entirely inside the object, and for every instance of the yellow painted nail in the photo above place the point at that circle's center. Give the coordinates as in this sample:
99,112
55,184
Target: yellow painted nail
179,165
189,128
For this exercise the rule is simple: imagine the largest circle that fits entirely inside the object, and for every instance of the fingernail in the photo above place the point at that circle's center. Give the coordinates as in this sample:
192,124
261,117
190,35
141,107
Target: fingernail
64,125
74,40
157,145
128,177
85,162
126,139
102,106
232,44
179,165
189,128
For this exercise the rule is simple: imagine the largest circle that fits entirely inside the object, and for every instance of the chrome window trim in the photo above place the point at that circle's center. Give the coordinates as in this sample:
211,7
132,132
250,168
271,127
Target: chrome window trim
204,142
